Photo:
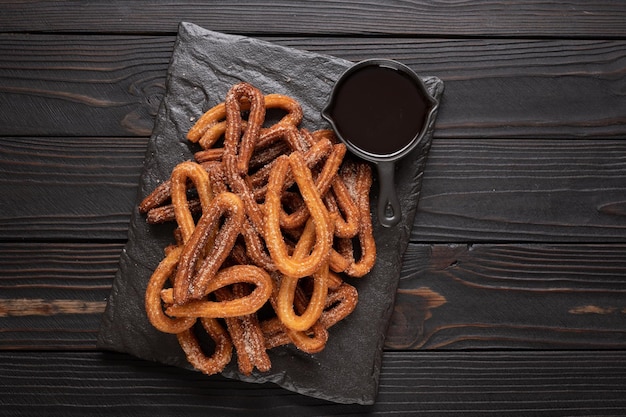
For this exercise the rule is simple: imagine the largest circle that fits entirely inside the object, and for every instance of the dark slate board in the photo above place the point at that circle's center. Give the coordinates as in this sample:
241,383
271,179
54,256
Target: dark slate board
203,67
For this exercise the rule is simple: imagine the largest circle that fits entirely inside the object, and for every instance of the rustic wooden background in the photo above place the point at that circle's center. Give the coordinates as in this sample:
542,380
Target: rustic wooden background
513,292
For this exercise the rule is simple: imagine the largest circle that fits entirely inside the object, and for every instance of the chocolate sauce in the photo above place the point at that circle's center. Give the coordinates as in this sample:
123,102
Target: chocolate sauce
378,110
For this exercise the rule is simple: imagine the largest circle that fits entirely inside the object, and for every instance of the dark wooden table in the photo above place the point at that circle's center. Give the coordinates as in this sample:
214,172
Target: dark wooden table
513,291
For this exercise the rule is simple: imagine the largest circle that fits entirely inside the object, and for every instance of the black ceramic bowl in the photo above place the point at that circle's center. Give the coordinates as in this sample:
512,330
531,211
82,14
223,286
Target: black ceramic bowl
381,110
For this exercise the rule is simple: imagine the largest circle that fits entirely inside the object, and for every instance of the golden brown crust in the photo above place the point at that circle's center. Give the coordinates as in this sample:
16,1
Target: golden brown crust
207,247
222,353
285,263
153,305
266,219
236,274
358,177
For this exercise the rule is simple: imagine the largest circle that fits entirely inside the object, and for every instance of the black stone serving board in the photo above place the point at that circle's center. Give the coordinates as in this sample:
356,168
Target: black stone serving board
204,65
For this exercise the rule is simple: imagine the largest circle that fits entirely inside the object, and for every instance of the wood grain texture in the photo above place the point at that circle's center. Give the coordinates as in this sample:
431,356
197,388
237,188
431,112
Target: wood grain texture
511,296
573,18
41,307
451,297
497,88
68,188
85,85
426,384
52,295
531,190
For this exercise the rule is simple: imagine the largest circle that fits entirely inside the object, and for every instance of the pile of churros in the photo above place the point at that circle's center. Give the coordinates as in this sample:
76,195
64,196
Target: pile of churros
270,220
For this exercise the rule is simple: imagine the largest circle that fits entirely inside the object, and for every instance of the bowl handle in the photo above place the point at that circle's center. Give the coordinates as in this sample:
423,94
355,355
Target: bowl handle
389,210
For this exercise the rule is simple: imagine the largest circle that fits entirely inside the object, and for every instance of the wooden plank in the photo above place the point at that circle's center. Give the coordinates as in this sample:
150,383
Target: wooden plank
574,18
473,190
451,297
81,85
68,188
511,296
497,88
425,383
507,88
53,295
531,190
